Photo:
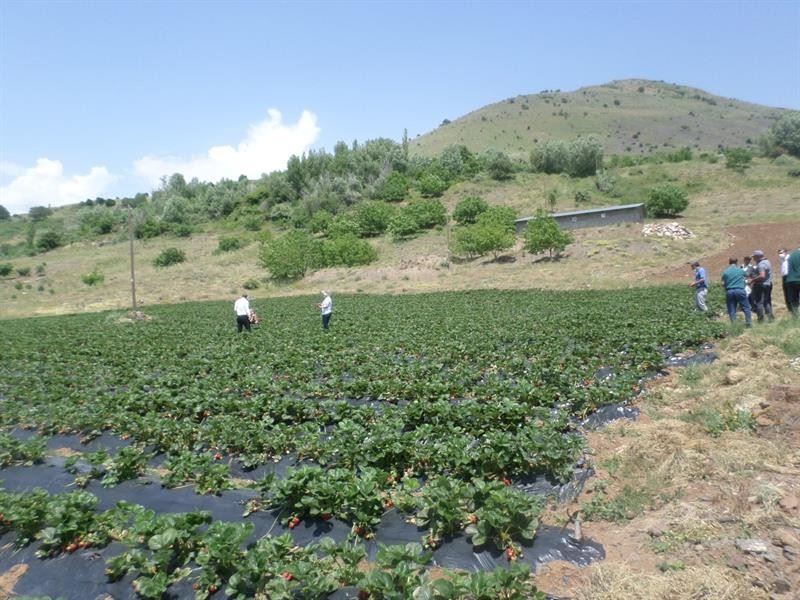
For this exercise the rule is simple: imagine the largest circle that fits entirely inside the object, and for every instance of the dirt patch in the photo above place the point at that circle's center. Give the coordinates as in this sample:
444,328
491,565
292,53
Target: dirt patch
700,497
768,237
9,579
65,452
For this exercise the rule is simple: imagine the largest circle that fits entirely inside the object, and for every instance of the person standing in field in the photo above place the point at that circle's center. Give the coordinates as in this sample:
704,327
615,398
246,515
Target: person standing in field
762,287
734,282
749,272
783,256
793,282
700,285
326,309
242,309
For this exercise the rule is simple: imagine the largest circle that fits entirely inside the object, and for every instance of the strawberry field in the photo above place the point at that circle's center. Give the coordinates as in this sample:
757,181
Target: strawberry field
407,430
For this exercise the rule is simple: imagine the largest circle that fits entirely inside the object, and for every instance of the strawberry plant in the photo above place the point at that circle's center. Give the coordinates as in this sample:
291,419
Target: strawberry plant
443,507
20,452
208,476
504,516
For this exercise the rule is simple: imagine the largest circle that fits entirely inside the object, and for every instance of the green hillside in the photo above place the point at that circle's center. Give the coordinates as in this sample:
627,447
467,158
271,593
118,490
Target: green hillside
629,116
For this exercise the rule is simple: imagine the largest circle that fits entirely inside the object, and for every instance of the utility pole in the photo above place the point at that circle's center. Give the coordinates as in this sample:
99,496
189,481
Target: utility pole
130,237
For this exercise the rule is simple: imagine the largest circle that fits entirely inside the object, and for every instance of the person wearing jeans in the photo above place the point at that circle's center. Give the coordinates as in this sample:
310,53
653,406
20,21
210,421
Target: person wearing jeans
326,309
762,287
735,294
700,285
793,282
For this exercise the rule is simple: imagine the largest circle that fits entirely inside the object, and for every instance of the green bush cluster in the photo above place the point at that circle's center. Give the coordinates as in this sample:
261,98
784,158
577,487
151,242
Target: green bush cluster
666,200
169,256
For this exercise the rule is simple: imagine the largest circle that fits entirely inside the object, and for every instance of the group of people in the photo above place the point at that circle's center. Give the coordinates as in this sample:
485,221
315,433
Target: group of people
247,317
750,285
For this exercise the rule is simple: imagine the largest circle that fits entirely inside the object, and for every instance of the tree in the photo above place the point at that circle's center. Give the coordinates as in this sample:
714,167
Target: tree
468,209
426,213
4,214
666,201
402,226
543,233
784,136
501,216
393,189
291,256
432,186
499,166
373,218
40,213
347,250
482,238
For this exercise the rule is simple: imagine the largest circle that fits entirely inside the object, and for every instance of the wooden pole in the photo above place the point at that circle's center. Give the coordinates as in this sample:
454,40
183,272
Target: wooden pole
133,274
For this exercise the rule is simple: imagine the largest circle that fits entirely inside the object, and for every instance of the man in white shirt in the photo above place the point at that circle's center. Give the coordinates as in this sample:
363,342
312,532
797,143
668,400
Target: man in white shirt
242,309
326,308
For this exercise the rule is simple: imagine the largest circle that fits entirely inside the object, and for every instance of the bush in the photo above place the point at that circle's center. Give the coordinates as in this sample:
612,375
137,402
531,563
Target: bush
426,213
49,240
582,197
347,250
281,213
40,213
794,173
343,225
468,209
149,228
6,269
291,256
4,214
543,233
93,278
580,158
373,218
182,230
251,284
666,201
482,238
432,186
320,222
253,223
40,268
229,244
402,226
501,216
783,136
738,159
605,182
169,256
499,166
24,271
393,189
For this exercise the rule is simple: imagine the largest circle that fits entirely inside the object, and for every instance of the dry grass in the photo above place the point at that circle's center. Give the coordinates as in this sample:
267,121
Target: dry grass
708,490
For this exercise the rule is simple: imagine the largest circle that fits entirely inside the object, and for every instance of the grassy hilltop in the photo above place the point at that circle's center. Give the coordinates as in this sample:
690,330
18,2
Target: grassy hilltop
630,116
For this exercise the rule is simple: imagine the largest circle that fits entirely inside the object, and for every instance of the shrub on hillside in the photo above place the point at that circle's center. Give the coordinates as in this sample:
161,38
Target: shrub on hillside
93,278
666,201
6,269
738,159
393,189
544,234
501,216
468,209
482,238
182,230
783,136
253,223
169,256
251,284
49,240
373,218
343,225
39,213
291,256
149,228
579,158
402,226
426,213
499,166
432,186
320,222
605,182
348,251
23,271
229,244
4,214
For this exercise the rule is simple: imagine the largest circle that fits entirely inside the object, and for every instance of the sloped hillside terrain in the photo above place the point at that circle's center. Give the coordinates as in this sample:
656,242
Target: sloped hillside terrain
630,116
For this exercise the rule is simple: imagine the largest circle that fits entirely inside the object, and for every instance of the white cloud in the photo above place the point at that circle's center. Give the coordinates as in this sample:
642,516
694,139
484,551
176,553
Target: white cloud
46,185
267,147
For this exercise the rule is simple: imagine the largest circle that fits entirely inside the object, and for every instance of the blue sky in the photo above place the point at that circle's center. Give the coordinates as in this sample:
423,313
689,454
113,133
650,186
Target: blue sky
101,98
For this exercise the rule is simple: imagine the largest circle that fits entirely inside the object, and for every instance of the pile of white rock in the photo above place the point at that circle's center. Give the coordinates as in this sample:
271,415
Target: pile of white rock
671,230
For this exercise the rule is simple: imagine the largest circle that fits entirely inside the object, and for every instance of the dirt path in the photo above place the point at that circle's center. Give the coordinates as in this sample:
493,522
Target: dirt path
768,237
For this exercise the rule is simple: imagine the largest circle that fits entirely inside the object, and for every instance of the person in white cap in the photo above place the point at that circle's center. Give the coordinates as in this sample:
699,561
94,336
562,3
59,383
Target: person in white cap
762,287
326,309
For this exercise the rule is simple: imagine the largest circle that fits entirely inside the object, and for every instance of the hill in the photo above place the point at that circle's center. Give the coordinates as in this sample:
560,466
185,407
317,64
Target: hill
630,116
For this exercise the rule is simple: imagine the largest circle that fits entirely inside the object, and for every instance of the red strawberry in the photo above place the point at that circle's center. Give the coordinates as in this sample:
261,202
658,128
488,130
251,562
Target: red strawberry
287,576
